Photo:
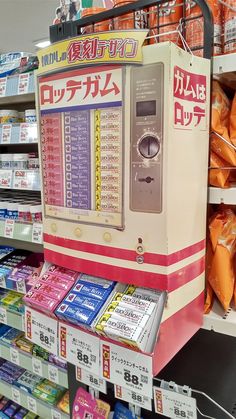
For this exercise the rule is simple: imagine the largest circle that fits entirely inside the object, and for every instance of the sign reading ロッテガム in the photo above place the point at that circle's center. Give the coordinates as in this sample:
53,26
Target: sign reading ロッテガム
105,47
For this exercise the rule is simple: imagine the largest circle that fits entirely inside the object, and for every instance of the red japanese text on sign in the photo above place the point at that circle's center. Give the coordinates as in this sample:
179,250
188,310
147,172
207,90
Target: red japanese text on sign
190,93
81,88
95,48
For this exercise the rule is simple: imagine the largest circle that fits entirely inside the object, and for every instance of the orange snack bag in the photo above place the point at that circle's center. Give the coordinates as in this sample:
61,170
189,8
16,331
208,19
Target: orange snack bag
223,238
220,122
219,177
232,126
209,299
170,14
195,29
229,27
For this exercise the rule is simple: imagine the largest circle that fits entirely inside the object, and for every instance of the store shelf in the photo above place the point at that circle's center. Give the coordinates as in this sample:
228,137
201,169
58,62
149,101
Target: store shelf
12,100
12,319
26,400
36,365
221,321
224,69
219,196
224,63
21,231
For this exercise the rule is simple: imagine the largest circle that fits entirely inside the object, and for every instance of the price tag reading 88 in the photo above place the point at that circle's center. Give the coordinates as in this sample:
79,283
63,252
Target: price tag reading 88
79,348
133,397
126,368
174,405
91,380
41,330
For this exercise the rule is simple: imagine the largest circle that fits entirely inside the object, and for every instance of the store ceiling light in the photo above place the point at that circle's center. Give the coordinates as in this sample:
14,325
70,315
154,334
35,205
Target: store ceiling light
43,44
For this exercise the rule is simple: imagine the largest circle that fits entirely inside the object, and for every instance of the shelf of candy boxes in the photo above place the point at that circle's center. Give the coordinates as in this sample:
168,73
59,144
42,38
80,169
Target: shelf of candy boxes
41,396
20,171
11,409
14,347
23,206
92,309
18,127
222,174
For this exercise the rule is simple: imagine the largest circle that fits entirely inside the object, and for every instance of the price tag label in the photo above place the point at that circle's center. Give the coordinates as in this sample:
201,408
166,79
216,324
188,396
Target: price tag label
3,315
16,395
126,368
37,366
174,405
23,179
5,178
53,374
2,281
55,414
14,356
133,397
23,83
3,85
41,330
31,404
79,348
9,228
24,133
20,286
6,134
37,233
91,380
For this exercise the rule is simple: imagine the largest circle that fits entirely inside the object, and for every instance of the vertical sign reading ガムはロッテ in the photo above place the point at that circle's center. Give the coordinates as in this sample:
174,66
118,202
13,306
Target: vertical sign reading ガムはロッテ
81,137
190,100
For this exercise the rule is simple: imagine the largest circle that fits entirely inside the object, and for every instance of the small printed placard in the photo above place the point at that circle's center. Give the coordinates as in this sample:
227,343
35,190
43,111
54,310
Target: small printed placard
126,368
23,83
14,356
133,397
3,315
6,134
9,228
16,395
37,366
53,373
5,178
79,348
32,404
55,414
91,380
41,330
37,233
20,286
174,405
3,85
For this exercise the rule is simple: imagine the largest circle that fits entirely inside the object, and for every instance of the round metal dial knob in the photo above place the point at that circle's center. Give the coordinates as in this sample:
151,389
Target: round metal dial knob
149,146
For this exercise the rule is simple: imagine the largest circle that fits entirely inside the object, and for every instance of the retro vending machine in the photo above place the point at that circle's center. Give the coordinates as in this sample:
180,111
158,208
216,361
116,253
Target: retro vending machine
124,153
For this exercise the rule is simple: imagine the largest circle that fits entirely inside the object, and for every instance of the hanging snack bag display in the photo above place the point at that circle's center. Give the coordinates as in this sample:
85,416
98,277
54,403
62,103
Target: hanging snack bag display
170,14
229,26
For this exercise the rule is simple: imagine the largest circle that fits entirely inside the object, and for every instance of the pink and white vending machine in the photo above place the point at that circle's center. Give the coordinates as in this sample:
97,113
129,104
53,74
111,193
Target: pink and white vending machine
124,153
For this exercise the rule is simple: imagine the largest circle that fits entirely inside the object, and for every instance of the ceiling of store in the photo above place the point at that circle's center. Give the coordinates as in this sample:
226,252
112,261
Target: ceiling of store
22,22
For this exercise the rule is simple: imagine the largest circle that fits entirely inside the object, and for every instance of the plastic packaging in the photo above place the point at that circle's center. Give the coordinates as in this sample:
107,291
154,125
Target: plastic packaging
97,27
135,20
195,28
229,27
30,115
8,116
20,161
170,14
36,213
24,212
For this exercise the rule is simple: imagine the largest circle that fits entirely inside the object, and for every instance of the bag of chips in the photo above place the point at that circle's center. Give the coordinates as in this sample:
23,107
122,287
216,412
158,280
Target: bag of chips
218,177
223,239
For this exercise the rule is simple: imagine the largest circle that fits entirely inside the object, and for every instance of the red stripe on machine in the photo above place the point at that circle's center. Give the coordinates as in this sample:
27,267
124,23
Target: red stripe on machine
168,282
125,254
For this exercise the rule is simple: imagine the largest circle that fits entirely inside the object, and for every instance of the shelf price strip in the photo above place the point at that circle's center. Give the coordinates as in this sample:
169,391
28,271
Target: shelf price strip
174,405
3,85
6,134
